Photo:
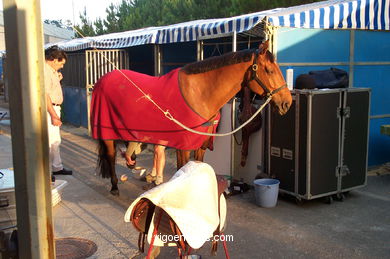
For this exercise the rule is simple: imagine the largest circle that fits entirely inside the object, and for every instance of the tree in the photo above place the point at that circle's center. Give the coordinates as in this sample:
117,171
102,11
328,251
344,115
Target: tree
99,27
111,22
86,28
66,24
135,14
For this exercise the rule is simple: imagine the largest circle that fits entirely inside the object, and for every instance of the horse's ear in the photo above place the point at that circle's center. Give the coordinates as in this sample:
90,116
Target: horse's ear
264,47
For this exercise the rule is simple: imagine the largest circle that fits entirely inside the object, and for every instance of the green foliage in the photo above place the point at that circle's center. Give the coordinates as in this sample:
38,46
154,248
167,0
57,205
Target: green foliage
66,24
111,21
99,27
135,14
86,28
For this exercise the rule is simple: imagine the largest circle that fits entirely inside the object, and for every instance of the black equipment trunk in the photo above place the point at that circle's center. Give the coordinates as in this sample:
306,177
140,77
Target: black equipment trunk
319,148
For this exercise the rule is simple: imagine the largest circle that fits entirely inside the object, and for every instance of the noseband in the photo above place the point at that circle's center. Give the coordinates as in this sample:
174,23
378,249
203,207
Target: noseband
254,76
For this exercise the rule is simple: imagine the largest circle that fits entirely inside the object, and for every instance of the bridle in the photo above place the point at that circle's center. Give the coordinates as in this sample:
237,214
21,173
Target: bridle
253,76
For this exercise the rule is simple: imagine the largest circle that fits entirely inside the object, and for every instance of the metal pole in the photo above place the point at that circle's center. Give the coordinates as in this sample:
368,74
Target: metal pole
89,86
157,60
199,50
351,57
234,42
24,44
233,117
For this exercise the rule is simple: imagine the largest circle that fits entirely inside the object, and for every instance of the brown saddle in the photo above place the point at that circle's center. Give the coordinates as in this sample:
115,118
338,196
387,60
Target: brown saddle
142,216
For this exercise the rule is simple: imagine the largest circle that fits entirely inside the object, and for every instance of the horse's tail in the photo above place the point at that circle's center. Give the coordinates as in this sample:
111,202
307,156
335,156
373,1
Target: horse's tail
103,162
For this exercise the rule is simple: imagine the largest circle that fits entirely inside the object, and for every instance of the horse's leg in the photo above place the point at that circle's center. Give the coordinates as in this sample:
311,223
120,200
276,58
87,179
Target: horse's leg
179,158
199,153
106,161
208,143
186,156
182,157
111,152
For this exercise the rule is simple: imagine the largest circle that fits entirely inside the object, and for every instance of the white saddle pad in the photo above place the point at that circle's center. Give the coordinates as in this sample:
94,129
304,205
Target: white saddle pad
190,198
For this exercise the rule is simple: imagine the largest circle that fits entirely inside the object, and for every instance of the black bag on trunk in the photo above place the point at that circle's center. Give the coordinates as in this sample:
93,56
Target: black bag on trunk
329,78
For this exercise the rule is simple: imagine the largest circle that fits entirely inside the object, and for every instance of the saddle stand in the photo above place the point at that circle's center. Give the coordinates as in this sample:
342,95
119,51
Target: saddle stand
182,247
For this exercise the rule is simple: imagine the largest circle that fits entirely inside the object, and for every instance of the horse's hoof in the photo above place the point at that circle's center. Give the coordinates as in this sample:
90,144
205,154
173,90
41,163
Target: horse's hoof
115,192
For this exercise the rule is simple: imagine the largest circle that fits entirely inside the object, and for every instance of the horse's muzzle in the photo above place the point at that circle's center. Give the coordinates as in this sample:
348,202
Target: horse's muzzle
284,107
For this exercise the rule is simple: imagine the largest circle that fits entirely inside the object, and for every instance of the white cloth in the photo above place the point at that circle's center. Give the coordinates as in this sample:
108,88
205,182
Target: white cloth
190,198
54,142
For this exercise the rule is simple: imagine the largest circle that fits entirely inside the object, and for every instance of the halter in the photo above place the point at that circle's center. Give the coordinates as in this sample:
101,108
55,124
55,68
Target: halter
254,76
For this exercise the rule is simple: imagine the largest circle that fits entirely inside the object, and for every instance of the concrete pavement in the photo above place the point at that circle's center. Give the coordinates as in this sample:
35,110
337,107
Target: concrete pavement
358,227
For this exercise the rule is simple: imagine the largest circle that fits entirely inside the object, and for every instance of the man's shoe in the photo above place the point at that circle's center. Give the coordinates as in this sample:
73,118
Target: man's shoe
63,172
53,178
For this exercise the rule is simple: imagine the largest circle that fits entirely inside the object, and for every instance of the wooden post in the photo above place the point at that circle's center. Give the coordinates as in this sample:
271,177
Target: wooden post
24,45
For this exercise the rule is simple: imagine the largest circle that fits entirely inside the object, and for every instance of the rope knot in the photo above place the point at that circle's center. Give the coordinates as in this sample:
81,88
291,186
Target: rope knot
168,115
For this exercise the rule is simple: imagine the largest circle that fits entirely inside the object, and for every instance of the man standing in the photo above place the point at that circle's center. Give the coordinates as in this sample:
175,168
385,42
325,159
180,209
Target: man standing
55,60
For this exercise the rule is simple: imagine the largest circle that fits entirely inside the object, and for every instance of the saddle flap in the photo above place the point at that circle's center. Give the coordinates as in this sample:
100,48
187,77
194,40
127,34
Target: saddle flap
141,215
222,184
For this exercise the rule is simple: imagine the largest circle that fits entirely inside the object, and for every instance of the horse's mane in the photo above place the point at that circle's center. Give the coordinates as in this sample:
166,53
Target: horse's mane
219,61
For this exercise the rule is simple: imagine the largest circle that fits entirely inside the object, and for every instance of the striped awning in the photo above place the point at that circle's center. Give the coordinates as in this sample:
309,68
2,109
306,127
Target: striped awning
333,14
336,14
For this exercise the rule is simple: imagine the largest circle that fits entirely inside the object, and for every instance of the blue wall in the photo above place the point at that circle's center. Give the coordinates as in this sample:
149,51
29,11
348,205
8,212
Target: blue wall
74,108
177,55
333,46
374,46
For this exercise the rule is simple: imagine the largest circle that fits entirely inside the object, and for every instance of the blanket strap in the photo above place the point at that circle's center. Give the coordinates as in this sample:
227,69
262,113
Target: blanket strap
211,122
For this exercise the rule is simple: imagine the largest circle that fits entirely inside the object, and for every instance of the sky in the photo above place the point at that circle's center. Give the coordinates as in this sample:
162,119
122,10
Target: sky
70,9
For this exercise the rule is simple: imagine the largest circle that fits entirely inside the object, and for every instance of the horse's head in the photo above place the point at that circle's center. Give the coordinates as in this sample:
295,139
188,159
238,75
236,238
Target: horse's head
266,79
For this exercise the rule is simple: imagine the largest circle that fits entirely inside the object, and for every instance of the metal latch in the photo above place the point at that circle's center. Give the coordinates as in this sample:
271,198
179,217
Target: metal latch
90,89
342,170
344,112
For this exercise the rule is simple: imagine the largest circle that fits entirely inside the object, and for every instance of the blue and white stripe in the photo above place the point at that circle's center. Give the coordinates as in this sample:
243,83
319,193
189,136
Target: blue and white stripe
336,14
333,14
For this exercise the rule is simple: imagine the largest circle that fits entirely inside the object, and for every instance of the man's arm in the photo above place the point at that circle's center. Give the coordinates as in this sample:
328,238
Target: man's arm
55,120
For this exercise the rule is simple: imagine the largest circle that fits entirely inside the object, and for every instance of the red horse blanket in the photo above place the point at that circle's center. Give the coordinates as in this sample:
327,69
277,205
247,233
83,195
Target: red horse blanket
120,111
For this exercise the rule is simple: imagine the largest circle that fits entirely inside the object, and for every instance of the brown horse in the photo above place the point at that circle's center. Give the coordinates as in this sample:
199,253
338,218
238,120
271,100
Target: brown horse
205,87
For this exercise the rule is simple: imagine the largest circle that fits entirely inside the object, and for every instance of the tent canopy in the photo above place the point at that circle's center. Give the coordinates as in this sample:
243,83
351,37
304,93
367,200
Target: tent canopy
333,14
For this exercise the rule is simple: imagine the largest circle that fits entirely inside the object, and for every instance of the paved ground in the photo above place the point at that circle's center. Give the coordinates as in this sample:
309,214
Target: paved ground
358,227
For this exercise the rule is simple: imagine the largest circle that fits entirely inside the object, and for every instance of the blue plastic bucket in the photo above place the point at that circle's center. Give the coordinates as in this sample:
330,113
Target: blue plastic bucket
266,192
